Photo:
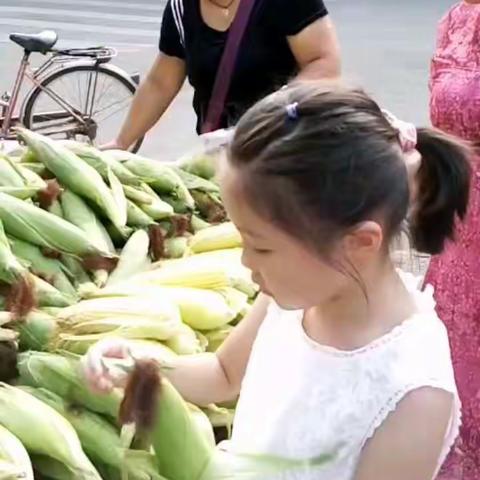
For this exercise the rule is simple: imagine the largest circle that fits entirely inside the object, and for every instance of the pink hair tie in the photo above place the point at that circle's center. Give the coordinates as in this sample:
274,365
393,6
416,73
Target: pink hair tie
407,132
407,137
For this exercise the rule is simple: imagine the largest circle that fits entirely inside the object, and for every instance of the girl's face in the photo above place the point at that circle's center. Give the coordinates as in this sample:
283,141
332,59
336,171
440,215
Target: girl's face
284,267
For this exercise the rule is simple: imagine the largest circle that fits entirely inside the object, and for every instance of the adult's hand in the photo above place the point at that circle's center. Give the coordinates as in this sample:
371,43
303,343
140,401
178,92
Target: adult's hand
113,145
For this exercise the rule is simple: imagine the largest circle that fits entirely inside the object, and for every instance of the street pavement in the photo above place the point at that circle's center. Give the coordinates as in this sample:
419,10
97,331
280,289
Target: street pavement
386,47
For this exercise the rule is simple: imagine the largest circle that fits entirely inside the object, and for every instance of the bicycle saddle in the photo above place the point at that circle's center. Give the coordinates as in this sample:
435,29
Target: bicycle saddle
38,42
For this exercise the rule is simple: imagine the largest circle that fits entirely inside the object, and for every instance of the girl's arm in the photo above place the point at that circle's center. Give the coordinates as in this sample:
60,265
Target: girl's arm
201,379
408,444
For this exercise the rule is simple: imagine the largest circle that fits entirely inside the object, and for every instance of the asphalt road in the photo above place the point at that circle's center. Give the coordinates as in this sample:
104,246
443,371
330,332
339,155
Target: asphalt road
386,46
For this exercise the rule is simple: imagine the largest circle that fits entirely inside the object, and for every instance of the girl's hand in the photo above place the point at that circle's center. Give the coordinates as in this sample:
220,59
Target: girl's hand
95,367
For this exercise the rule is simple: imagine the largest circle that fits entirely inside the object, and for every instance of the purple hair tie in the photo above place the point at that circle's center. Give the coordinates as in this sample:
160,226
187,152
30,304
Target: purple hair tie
292,111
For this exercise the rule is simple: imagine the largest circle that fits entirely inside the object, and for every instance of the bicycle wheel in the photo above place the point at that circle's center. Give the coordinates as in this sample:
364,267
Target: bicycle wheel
81,102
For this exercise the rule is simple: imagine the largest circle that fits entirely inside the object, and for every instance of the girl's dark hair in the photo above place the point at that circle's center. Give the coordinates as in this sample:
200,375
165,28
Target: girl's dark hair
317,159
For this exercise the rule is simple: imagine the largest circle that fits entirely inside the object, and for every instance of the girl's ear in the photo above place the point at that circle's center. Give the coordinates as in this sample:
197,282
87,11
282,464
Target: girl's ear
363,241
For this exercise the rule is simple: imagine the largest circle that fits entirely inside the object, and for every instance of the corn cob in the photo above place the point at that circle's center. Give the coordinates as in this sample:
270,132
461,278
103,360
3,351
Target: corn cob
79,275
51,269
34,225
119,235
11,270
184,272
202,422
217,237
194,182
32,179
21,297
62,375
185,342
217,337
28,156
133,259
101,161
38,168
182,447
138,195
199,224
56,208
158,209
9,176
228,260
210,206
130,308
178,204
141,328
43,431
147,170
23,193
9,471
74,173
200,309
136,217
201,165
77,212
36,330
99,438
236,300
176,247
13,452
220,416
159,176
48,295
52,469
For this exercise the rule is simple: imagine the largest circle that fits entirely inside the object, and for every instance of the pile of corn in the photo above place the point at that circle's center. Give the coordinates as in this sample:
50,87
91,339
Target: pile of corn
99,244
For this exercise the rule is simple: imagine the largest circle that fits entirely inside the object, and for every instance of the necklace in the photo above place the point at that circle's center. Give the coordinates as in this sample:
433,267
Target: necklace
225,8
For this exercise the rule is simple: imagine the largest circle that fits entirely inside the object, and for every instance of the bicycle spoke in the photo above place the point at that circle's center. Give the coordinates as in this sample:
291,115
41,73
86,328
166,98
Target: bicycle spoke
111,99
102,119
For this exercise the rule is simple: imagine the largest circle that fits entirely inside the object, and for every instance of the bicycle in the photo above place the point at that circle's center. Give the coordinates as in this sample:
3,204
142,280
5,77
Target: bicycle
95,101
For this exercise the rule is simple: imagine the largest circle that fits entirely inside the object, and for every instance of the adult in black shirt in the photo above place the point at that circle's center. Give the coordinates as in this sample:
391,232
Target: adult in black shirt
284,38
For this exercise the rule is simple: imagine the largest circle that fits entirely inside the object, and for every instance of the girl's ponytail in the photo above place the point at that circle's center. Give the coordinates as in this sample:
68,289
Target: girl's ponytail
443,184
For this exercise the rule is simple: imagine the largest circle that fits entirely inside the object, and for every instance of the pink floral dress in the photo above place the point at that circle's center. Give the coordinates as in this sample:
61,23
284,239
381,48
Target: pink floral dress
455,274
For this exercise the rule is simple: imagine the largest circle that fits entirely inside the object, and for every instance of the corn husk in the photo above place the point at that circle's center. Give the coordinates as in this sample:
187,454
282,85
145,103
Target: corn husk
101,161
133,259
43,431
74,173
13,452
36,330
23,193
195,182
32,179
51,269
217,237
185,342
137,195
202,165
217,337
34,225
99,438
62,375
9,175
136,217
130,309
77,212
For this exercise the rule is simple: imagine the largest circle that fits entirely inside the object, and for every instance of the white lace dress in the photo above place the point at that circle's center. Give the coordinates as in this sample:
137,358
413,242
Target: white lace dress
300,399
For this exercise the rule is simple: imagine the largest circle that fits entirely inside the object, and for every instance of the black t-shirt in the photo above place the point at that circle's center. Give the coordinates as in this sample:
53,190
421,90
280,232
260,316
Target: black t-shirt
264,62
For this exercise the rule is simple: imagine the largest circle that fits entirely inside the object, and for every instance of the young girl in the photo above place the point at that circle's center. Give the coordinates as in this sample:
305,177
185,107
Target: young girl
341,353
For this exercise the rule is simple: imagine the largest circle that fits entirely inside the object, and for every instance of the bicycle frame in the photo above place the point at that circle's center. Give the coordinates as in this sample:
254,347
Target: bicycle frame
35,78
